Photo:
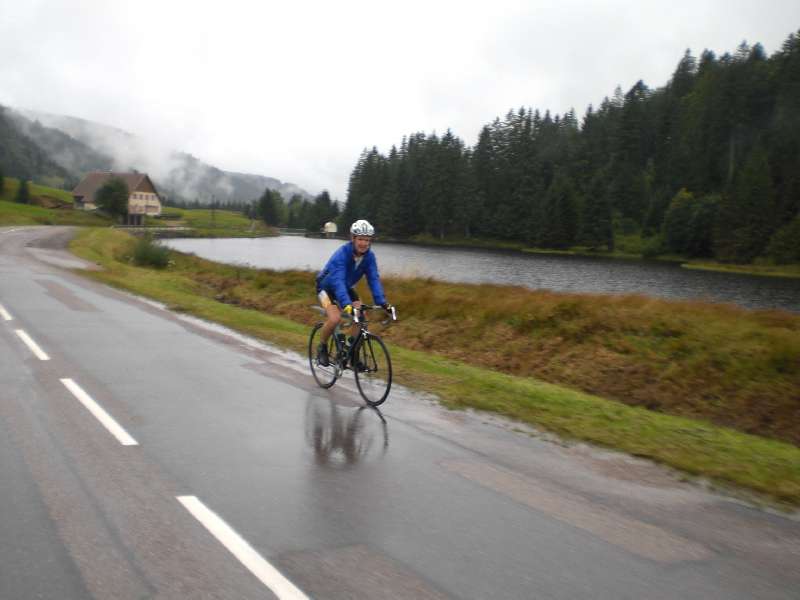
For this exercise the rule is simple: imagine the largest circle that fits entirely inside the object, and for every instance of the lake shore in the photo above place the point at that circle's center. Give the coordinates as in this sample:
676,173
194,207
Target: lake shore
555,272
765,270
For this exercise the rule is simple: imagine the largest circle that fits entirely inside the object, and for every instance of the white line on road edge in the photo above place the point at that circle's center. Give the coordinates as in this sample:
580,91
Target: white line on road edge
236,545
4,314
101,415
32,345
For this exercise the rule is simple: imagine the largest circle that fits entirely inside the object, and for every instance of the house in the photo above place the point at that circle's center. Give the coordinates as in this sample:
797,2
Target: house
143,199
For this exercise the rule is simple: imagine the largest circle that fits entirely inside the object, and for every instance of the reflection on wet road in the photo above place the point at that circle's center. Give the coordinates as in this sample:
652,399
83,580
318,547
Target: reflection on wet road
343,435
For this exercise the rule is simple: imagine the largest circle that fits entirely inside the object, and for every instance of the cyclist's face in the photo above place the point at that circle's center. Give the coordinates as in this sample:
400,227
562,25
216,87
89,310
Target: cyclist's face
361,244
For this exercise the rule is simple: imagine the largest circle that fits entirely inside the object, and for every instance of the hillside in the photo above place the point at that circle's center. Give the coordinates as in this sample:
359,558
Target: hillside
79,146
70,153
20,156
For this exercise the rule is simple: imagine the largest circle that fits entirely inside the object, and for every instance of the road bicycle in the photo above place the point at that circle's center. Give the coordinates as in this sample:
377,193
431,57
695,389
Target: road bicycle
366,355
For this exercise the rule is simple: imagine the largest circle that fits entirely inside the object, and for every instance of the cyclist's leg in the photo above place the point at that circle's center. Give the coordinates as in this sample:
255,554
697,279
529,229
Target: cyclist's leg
332,315
332,318
355,301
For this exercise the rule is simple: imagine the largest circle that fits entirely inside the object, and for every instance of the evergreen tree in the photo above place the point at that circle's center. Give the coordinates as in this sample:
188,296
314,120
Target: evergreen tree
112,197
268,208
632,149
321,211
746,214
560,214
701,226
484,167
677,222
784,136
784,247
23,193
596,221
408,215
295,212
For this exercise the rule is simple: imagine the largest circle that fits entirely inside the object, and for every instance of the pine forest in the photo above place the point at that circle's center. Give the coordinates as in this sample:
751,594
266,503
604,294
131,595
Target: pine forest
706,166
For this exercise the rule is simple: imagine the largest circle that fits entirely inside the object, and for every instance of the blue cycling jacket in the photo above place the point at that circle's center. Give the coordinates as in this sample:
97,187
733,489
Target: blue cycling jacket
341,274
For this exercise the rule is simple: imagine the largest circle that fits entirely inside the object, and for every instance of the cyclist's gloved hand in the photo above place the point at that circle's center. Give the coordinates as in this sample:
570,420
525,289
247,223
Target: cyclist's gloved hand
348,310
390,310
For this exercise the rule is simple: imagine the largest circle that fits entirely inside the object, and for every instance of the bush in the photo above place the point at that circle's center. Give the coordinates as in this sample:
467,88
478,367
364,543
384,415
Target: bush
784,247
688,224
147,253
653,247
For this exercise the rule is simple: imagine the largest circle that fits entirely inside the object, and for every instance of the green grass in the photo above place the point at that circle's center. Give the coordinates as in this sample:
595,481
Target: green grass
12,213
698,447
21,214
218,223
11,185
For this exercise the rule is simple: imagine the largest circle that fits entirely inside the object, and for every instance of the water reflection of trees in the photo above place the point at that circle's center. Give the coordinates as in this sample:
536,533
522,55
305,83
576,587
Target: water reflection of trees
344,435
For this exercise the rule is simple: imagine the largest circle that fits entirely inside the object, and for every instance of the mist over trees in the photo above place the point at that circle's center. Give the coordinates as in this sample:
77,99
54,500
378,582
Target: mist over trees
706,166
20,157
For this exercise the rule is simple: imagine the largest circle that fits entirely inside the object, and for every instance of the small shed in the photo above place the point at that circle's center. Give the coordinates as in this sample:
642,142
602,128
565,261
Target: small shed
330,229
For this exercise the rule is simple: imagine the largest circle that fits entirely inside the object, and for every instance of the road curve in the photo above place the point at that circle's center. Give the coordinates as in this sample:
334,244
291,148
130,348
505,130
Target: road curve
144,454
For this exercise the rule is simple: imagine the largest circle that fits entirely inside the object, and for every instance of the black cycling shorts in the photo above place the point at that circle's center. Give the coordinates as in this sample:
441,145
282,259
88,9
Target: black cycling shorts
327,297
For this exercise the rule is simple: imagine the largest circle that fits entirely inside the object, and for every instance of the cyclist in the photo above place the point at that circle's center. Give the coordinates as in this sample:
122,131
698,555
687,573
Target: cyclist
336,281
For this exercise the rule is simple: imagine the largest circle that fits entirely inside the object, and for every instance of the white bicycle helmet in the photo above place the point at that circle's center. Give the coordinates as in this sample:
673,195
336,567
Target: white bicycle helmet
362,227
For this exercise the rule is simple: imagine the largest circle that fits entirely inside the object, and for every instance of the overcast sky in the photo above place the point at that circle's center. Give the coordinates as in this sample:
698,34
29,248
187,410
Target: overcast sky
296,90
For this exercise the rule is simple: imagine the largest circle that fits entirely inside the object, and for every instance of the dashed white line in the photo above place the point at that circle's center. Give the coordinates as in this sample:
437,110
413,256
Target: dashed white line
100,414
236,545
4,314
34,347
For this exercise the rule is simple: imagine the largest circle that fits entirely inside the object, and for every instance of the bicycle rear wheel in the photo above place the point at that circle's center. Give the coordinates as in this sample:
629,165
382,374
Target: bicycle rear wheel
373,369
325,376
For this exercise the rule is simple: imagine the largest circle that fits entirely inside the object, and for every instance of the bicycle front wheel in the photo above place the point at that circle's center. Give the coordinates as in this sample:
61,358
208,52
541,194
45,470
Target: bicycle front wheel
325,376
373,369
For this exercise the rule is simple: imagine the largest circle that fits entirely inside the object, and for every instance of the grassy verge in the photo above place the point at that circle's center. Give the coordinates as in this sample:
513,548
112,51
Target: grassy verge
791,271
467,378
12,213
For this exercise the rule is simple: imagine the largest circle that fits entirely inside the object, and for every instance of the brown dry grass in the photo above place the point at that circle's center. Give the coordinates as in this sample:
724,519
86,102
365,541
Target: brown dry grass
731,366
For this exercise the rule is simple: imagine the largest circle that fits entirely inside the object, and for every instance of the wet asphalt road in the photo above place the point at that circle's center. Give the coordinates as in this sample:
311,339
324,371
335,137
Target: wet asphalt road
319,496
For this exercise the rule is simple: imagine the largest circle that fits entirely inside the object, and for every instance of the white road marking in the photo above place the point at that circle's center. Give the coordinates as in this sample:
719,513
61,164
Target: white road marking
32,345
101,415
4,314
236,545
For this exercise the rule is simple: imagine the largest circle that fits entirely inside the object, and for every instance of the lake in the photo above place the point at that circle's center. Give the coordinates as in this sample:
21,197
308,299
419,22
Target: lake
536,271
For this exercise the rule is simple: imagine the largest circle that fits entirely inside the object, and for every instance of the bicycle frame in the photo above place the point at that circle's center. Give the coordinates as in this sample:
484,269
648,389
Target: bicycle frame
357,318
